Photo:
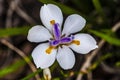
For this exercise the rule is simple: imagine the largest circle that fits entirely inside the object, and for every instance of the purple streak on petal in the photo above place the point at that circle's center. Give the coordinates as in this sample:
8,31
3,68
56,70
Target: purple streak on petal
66,40
56,31
54,42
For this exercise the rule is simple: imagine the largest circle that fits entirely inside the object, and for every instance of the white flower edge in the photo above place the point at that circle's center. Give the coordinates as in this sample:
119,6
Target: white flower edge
38,33
65,57
73,24
87,43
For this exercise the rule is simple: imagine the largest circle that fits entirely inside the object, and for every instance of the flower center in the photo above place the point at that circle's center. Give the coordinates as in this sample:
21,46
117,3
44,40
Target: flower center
59,40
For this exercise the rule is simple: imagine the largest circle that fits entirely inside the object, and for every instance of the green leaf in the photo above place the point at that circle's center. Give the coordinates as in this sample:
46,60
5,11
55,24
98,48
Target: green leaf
56,78
98,7
117,64
64,74
12,68
31,75
102,58
108,31
14,31
82,5
108,38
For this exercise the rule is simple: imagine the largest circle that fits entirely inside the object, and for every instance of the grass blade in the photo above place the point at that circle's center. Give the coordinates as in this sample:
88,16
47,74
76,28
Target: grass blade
108,38
14,31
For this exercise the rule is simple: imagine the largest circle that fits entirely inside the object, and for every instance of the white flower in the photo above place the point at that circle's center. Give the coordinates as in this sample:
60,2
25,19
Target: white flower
57,42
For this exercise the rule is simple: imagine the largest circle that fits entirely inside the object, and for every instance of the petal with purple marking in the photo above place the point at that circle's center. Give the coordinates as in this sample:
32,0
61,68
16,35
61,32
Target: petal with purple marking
50,12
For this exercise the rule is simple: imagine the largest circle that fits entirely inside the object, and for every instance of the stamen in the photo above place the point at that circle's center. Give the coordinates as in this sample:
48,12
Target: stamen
49,49
56,31
76,42
52,22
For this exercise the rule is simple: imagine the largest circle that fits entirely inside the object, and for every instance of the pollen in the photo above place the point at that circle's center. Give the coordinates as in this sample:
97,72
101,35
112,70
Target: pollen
49,49
76,42
52,22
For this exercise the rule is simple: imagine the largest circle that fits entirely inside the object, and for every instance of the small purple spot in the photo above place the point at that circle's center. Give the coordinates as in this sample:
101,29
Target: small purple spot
72,37
54,42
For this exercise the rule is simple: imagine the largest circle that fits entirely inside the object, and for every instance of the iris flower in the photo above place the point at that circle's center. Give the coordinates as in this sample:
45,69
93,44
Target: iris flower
57,43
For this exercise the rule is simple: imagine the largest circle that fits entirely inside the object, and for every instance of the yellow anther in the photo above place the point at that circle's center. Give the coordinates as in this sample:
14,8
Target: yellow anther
76,42
52,22
49,49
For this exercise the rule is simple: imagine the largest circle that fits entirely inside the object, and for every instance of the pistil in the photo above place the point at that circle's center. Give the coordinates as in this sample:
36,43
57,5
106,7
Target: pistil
56,31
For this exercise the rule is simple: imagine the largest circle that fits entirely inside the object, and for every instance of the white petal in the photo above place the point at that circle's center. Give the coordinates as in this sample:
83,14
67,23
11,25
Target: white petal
41,58
87,43
50,12
38,34
73,23
65,57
